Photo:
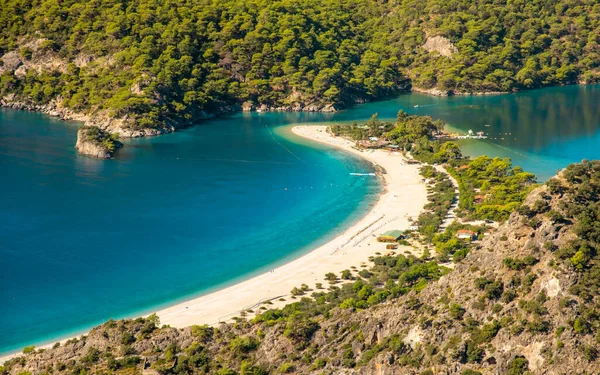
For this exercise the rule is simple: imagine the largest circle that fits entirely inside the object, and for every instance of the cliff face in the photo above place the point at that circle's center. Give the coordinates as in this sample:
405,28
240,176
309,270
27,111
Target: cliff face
525,301
97,143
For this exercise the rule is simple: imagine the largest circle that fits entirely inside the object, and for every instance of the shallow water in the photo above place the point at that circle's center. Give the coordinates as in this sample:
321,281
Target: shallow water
83,240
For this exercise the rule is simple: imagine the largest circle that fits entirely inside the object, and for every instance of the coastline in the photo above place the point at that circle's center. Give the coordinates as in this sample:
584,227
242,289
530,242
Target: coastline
402,198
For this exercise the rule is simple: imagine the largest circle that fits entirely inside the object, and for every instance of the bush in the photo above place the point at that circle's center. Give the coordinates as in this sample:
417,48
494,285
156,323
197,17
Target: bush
26,53
287,368
517,366
204,332
474,353
28,349
127,338
590,353
242,345
457,311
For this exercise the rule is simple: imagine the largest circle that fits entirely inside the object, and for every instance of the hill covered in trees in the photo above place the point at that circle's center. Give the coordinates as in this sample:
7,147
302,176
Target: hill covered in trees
156,64
522,301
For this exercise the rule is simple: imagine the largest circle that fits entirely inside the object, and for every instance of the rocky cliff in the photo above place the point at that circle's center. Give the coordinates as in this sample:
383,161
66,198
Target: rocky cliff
97,143
524,301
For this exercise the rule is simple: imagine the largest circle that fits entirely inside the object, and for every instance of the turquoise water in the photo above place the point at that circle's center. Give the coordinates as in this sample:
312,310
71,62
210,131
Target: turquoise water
82,240
541,130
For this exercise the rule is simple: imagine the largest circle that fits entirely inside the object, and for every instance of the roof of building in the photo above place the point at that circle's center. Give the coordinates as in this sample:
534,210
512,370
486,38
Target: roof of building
393,233
465,231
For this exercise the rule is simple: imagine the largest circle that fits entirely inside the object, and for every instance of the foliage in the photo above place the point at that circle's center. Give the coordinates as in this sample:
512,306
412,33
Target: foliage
155,61
579,190
503,187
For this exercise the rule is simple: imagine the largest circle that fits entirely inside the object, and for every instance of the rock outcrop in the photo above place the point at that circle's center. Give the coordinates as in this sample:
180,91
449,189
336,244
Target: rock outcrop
95,142
441,45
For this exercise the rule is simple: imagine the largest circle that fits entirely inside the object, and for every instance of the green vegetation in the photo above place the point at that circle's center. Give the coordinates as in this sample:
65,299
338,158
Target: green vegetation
28,349
157,62
389,278
491,188
441,196
100,137
579,192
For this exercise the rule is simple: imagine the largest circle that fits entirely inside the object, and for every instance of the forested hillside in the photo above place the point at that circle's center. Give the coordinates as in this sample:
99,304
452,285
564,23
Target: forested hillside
153,63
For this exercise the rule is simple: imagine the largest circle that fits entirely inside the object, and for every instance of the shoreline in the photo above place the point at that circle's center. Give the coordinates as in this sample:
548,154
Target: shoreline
402,198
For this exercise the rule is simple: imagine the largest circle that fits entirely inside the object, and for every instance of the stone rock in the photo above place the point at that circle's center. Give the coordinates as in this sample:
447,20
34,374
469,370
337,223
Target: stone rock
441,45
247,106
329,108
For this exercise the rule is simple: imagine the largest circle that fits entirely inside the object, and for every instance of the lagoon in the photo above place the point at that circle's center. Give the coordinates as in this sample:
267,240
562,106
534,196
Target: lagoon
83,240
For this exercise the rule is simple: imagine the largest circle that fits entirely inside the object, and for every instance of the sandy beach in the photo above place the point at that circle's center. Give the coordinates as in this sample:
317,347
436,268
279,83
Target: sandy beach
402,200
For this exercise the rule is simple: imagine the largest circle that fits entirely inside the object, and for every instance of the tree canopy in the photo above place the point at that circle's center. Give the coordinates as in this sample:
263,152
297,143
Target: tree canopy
156,61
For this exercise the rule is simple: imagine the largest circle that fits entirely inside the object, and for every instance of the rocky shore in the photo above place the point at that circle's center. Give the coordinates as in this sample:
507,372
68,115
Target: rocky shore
296,107
438,92
97,143
123,126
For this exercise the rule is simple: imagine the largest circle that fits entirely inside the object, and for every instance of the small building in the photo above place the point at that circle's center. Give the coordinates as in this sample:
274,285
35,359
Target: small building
478,199
488,232
413,227
391,246
462,167
391,236
465,234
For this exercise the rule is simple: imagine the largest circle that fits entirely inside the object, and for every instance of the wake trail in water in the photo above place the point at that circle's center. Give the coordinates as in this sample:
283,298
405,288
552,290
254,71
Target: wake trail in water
520,154
280,144
235,161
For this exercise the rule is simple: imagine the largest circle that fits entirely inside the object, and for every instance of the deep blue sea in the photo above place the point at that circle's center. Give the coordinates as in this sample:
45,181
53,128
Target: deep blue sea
84,240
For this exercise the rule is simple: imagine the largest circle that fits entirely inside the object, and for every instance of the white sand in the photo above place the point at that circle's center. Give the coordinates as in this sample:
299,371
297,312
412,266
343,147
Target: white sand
403,199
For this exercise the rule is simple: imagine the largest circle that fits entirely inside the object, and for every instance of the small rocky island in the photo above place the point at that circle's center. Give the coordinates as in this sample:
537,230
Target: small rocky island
97,143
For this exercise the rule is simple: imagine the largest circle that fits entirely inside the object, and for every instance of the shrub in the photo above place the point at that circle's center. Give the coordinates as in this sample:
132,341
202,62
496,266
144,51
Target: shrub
287,368
494,290
517,366
319,363
457,311
26,53
590,353
127,338
346,275
92,356
508,295
241,345
331,277
474,353
28,349
203,332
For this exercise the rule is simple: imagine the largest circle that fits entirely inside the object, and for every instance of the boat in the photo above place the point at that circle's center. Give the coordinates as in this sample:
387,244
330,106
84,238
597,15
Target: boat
362,174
